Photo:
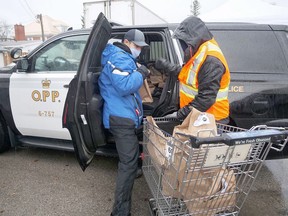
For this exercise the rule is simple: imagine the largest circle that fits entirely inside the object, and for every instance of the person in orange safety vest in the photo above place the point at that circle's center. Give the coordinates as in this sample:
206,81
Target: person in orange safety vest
205,77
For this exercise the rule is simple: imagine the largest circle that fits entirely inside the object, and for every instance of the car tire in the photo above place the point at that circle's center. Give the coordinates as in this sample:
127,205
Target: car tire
4,139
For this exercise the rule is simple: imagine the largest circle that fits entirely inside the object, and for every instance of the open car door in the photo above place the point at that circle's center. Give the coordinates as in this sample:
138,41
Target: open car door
82,114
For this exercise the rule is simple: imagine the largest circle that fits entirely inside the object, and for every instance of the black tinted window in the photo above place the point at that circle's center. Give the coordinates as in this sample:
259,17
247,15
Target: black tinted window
282,37
251,51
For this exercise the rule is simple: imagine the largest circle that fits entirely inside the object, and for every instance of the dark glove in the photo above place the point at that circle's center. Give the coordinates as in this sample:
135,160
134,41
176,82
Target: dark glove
144,71
183,112
168,67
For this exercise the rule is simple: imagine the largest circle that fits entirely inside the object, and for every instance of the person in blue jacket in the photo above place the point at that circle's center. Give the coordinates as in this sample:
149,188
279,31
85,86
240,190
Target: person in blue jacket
119,82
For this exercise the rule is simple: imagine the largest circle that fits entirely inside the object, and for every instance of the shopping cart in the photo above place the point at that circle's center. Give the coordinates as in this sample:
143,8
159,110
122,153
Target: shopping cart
204,176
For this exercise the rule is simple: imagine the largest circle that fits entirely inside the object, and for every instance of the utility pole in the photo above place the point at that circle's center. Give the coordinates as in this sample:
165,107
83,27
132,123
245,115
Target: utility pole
133,11
39,17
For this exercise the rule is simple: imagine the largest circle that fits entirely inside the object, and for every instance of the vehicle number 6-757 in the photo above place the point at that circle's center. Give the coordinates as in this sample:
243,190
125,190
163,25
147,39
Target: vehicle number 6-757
46,113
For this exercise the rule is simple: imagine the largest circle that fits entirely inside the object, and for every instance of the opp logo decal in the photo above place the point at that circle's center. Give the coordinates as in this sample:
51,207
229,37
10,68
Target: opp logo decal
45,94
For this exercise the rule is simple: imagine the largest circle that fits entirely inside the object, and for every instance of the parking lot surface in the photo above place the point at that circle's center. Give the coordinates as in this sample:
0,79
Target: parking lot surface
49,182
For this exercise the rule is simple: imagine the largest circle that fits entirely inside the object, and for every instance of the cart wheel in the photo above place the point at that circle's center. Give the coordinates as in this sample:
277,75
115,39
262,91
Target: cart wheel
152,207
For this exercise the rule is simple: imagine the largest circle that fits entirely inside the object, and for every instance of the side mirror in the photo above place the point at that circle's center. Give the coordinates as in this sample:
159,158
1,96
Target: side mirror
22,65
16,53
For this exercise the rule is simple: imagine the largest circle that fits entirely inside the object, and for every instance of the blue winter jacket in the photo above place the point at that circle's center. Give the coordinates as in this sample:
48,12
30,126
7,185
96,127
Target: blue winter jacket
119,84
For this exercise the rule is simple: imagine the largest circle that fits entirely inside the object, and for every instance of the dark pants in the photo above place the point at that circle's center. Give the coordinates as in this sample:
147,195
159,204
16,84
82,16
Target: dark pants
127,144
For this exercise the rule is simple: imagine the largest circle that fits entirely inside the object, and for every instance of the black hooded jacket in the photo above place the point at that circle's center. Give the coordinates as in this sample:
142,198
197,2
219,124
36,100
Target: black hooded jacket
194,32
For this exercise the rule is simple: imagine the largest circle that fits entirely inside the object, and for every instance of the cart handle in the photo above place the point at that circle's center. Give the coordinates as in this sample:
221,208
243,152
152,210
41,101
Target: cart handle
241,138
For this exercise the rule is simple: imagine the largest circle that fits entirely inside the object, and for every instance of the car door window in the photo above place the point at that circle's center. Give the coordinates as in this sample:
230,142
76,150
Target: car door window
61,55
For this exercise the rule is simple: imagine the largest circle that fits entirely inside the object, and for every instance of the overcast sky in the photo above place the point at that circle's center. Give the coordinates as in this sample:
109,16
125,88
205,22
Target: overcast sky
70,11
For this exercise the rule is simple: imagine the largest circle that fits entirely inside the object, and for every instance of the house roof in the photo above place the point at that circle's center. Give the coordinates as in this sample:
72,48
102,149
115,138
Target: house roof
50,25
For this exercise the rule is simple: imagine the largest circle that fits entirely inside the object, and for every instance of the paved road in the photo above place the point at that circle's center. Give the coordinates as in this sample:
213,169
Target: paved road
47,182
36,182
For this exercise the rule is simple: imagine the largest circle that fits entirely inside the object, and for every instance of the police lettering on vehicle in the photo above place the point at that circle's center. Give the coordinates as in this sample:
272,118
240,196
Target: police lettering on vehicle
236,88
45,95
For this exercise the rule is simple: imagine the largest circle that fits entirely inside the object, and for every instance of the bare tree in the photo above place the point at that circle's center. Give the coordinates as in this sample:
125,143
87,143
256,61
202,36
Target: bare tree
5,30
195,8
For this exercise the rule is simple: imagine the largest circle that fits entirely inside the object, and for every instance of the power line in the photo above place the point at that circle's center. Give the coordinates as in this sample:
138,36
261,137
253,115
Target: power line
30,8
30,12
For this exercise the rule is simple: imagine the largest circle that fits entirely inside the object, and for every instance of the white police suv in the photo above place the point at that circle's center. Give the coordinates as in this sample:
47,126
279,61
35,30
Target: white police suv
50,97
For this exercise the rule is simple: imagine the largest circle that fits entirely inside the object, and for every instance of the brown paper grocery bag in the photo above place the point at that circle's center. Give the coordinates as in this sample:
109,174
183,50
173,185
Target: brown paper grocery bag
201,189
157,149
209,191
145,93
204,191
196,124
170,182
157,143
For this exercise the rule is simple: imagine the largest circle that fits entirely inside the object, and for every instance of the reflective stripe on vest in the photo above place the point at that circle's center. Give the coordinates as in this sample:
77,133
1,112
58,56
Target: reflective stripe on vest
192,92
198,61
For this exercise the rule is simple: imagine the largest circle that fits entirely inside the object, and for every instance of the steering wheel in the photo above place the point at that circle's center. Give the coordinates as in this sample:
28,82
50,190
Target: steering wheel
62,63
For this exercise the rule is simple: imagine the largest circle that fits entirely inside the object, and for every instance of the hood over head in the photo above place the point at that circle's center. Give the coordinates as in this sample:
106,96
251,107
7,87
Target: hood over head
193,31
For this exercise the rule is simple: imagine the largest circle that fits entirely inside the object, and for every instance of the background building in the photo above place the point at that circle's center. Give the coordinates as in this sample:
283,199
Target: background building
29,36
33,31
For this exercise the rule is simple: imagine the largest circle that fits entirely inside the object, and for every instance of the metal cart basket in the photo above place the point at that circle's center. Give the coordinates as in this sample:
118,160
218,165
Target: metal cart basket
204,176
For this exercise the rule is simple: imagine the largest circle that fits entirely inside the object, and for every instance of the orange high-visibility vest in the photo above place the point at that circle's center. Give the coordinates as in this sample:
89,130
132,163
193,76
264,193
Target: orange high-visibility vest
189,82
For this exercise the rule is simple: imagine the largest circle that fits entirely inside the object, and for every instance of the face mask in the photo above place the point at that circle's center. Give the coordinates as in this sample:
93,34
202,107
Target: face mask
135,52
188,53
